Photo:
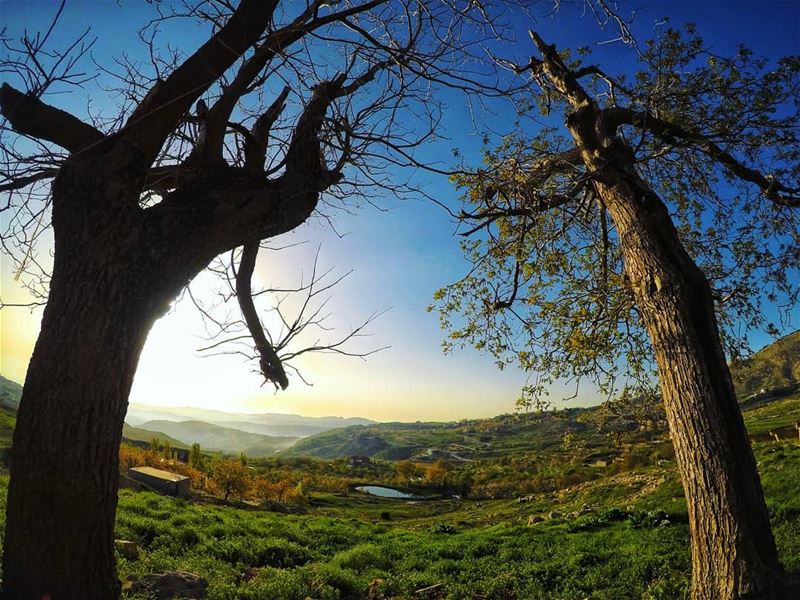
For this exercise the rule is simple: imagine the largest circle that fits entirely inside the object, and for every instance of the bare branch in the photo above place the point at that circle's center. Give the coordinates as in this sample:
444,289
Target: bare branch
256,146
270,363
166,103
18,183
30,116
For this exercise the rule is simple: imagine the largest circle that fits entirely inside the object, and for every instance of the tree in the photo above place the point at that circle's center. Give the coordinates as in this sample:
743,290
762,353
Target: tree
438,473
167,450
640,239
405,471
196,457
263,489
210,152
230,476
130,456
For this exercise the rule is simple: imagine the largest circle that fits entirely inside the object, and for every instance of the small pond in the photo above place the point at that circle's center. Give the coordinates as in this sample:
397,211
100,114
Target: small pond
384,492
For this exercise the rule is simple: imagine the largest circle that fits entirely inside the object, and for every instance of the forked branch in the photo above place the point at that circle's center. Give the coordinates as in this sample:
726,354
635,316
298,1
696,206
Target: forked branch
276,350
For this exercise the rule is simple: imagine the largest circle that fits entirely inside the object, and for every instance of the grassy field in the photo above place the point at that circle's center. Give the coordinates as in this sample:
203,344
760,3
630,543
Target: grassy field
777,415
632,541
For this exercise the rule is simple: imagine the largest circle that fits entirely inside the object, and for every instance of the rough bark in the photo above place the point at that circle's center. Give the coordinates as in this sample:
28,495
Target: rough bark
63,491
734,556
117,268
733,550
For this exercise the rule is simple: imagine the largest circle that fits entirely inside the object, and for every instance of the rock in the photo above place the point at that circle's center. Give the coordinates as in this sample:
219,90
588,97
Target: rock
533,519
554,515
574,515
176,585
127,549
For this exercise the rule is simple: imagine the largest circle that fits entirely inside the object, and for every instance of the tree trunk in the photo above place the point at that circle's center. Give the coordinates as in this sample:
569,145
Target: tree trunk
64,468
734,556
733,551
105,294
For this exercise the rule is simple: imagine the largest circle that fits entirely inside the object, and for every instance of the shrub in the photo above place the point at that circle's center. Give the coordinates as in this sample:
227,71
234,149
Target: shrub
363,557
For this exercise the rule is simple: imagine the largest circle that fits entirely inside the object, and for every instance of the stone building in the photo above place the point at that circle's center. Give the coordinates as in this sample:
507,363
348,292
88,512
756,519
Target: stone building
161,481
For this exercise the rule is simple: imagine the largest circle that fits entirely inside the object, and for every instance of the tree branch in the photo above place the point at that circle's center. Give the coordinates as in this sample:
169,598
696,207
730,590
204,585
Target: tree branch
168,101
23,182
304,158
30,116
270,363
255,148
274,45
771,189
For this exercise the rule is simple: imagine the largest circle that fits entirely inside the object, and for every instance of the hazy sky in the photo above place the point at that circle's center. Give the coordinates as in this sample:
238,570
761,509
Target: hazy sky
398,256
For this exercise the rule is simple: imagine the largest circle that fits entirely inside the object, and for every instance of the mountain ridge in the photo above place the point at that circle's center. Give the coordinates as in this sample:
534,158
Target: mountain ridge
217,437
270,424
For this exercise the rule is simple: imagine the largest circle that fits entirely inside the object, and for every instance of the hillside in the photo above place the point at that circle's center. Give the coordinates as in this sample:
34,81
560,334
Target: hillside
136,434
774,367
459,441
10,393
224,439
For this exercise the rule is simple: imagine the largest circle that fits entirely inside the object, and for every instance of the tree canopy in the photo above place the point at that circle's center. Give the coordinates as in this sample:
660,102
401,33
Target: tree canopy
715,136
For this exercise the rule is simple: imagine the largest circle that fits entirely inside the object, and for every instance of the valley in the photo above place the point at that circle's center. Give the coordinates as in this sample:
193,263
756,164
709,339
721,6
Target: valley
565,504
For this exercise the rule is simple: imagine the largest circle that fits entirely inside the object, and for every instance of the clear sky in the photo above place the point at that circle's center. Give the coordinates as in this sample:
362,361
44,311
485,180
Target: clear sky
399,256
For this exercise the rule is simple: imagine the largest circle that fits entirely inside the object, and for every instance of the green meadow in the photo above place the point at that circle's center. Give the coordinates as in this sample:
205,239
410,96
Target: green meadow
631,542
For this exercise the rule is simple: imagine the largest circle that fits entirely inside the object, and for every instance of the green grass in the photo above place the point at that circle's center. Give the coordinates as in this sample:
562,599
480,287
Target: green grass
777,414
337,558
350,546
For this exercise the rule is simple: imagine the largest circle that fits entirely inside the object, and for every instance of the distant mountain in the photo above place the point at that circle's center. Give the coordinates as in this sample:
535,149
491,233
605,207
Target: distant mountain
271,424
136,434
773,370
216,437
10,393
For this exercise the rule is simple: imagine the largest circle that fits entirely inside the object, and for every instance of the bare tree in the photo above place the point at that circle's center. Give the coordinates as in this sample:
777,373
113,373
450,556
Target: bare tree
287,106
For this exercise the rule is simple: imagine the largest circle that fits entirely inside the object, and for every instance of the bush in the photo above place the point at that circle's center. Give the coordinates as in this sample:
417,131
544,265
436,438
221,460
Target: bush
443,528
649,519
362,558
276,552
188,538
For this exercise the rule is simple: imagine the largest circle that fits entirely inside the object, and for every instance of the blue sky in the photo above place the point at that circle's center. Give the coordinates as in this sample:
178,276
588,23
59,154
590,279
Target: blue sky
399,256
